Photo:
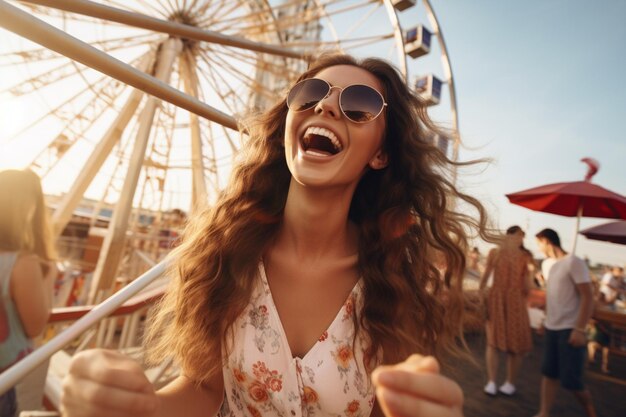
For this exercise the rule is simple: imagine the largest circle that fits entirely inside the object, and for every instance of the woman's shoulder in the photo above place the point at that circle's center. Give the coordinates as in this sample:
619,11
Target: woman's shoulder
26,264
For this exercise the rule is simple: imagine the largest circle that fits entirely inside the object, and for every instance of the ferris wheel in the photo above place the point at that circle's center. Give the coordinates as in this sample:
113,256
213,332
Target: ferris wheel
136,104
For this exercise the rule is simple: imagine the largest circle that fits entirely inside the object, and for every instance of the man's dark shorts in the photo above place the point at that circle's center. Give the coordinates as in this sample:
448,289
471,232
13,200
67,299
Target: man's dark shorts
8,404
563,361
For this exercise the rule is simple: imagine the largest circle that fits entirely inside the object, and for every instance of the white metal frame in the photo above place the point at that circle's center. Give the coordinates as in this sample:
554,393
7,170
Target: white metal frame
11,376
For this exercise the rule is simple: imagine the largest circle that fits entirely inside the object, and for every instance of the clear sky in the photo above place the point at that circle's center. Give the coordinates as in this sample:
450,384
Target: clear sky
540,85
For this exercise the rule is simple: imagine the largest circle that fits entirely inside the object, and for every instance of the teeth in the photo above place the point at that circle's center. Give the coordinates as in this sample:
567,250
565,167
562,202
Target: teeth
311,152
321,131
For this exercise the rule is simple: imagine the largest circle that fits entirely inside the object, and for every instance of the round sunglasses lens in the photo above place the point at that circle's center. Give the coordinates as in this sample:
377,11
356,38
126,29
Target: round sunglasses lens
306,94
361,103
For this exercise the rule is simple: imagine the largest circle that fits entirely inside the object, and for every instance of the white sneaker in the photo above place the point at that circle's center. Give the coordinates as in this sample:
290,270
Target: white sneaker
490,388
507,388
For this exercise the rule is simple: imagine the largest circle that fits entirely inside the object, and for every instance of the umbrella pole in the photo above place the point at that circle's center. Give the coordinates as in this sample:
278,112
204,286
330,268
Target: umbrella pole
578,216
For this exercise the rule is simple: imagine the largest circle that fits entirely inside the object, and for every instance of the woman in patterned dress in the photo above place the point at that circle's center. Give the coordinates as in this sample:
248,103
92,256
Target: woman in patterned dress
312,286
508,326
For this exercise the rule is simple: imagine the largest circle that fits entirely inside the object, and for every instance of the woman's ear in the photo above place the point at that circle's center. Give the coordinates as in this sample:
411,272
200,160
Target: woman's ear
380,160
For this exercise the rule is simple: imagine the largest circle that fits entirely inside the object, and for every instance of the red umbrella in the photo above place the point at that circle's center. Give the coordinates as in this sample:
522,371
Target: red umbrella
573,199
614,232
569,198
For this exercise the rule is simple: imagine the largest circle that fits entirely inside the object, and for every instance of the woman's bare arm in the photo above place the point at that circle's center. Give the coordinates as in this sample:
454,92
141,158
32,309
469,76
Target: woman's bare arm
31,293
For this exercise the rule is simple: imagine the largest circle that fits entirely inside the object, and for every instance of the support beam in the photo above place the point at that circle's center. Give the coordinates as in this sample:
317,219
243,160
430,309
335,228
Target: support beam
101,11
38,31
114,243
71,199
190,79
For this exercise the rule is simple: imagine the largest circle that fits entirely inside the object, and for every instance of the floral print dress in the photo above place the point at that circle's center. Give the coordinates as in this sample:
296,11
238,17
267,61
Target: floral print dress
261,378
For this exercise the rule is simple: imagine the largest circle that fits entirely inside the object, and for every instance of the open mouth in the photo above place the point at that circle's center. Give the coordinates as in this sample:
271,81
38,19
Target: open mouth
321,142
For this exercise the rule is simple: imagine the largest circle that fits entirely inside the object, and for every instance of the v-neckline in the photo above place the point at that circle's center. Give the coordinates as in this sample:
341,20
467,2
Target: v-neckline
283,334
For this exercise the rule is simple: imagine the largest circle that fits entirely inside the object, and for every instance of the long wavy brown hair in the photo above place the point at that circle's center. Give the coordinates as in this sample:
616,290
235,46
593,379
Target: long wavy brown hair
412,240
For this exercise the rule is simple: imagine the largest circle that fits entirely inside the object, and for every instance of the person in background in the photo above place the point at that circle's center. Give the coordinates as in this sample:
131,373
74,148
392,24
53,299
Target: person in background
508,327
27,270
611,286
621,288
312,286
473,262
599,336
569,304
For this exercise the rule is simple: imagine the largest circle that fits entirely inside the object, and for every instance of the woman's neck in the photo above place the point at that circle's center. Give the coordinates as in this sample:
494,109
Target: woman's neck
315,223
556,252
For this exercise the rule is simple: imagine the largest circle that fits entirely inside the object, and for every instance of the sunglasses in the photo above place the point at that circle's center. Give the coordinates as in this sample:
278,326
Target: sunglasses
359,103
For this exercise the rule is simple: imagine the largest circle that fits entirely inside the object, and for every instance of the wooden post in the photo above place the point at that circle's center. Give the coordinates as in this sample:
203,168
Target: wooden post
113,245
190,80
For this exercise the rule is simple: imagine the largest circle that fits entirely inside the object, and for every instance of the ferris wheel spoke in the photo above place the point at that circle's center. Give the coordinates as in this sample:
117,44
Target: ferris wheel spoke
167,7
356,44
257,60
56,111
127,6
211,80
75,128
147,22
247,80
197,11
244,78
291,21
44,54
99,87
350,43
210,132
217,87
359,23
217,21
220,23
43,79
323,10
53,75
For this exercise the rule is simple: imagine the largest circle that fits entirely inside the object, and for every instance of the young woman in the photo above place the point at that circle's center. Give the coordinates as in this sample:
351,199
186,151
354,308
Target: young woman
27,270
508,326
307,287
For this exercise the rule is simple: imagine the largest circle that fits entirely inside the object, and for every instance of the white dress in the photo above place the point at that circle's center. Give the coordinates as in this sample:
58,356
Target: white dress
262,378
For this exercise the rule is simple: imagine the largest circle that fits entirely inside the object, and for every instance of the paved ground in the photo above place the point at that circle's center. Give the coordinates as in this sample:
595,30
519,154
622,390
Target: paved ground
609,392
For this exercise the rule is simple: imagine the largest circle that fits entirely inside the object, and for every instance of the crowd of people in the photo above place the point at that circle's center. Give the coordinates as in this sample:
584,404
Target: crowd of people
571,337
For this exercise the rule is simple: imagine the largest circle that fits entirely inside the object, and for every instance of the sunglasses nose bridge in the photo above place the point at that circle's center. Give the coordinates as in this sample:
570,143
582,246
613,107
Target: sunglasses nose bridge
324,101
330,92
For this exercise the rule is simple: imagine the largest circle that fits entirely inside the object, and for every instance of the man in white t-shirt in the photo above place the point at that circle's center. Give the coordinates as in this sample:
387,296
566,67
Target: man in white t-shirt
611,285
569,304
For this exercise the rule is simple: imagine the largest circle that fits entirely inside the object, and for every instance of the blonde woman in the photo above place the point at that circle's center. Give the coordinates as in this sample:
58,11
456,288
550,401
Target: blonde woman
27,270
311,287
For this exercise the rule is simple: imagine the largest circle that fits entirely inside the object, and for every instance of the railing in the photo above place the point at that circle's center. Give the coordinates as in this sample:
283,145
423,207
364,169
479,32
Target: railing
118,304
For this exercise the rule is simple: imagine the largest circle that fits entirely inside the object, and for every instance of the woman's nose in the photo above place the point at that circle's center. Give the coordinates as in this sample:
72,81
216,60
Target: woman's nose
329,105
